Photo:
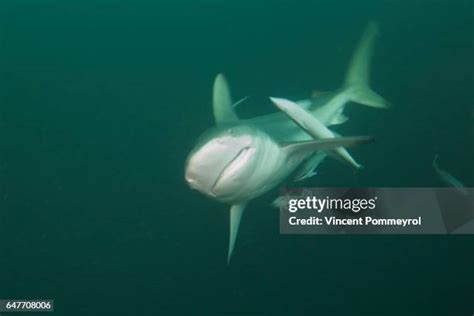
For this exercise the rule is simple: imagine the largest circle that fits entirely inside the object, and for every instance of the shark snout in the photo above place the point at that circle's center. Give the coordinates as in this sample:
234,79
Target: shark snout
210,165
200,179
191,182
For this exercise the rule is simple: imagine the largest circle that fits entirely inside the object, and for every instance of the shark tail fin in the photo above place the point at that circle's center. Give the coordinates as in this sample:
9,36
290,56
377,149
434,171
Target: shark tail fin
358,75
236,212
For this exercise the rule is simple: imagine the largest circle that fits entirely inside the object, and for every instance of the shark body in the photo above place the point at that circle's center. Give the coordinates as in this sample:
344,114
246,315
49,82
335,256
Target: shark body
449,179
239,160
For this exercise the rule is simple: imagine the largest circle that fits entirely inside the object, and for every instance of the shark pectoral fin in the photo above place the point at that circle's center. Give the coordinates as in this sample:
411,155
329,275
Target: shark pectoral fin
315,128
345,158
307,168
302,118
326,144
280,201
222,102
236,212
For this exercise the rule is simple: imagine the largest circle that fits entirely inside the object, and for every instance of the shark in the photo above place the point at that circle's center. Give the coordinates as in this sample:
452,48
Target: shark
448,178
239,160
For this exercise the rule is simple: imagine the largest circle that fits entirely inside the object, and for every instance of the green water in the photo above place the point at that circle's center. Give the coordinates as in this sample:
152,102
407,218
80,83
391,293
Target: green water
100,102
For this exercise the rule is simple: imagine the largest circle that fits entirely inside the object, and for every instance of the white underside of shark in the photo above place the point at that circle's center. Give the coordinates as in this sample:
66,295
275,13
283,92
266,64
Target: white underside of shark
239,160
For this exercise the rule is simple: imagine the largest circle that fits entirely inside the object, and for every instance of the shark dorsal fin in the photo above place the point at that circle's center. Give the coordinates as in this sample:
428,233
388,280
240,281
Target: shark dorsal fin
236,212
222,102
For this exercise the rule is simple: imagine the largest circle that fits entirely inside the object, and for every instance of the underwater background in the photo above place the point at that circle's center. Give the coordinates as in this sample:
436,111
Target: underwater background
101,101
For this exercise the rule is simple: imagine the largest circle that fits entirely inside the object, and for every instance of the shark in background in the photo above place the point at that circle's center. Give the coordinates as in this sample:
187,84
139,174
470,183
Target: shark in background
448,178
238,160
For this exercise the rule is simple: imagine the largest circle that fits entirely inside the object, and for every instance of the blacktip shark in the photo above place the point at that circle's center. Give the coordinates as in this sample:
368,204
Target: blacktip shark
238,160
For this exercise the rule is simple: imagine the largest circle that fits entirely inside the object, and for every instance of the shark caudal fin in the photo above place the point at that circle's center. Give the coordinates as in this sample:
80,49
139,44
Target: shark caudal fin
236,212
358,75
222,102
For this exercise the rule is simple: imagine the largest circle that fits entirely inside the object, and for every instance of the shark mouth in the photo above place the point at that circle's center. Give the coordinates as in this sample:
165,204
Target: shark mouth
232,167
